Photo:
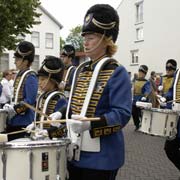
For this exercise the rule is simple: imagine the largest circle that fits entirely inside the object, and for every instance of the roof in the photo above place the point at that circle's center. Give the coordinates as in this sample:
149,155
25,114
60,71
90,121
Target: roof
51,16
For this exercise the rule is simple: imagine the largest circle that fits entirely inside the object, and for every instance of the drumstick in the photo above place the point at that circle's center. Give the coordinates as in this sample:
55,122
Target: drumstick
16,132
173,100
4,137
64,120
36,110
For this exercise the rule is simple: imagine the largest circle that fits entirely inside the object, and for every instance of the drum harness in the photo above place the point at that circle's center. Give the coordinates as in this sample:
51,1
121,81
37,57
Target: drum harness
20,84
50,96
77,145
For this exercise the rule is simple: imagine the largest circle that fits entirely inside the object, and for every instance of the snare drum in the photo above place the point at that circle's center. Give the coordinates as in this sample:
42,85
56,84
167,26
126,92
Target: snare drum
34,160
3,117
160,122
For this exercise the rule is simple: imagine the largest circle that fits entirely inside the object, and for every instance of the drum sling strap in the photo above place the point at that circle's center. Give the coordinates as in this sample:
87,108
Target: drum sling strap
20,84
50,96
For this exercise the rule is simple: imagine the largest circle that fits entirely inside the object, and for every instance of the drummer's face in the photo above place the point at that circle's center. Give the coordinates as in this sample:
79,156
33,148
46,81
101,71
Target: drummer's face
169,70
43,83
20,63
94,45
141,74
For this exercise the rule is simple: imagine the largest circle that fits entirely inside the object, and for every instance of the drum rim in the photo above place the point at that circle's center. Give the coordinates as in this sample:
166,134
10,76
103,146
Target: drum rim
165,111
35,144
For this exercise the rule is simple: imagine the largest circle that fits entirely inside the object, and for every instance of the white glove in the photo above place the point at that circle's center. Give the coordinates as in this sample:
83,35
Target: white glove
40,133
163,99
30,127
56,116
143,99
160,88
77,125
10,110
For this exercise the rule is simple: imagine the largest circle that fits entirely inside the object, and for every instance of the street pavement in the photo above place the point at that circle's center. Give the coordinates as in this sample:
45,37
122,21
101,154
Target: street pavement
145,158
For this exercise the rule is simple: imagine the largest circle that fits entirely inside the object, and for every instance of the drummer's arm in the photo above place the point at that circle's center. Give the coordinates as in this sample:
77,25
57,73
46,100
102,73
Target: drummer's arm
169,94
146,90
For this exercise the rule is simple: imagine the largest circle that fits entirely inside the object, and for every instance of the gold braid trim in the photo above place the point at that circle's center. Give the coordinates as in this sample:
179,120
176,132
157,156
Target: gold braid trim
104,131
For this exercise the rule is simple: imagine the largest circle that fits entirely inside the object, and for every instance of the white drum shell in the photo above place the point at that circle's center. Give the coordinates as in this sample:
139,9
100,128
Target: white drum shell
176,107
160,122
22,166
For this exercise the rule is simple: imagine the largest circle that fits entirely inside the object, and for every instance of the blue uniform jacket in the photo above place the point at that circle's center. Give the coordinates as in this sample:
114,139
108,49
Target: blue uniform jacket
115,104
169,97
29,96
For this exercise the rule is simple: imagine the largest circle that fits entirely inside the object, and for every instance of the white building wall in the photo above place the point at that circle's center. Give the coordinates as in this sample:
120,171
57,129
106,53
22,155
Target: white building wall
47,26
161,34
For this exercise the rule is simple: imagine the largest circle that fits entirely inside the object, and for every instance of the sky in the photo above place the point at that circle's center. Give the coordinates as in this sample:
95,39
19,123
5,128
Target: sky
70,13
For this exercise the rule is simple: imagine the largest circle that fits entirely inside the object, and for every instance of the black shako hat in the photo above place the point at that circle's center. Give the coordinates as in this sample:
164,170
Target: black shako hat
173,63
143,68
68,50
53,67
25,50
103,19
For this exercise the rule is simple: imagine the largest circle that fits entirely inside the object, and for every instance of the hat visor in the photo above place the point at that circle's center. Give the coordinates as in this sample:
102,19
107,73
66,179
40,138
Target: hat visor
87,32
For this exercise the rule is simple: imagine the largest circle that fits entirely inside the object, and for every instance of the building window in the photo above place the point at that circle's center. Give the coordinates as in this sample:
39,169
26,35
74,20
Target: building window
35,64
49,40
135,57
35,38
4,62
139,12
139,34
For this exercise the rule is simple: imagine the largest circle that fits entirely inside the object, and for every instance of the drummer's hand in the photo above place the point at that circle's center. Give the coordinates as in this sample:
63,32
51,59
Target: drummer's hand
56,116
39,133
143,99
160,88
10,110
77,125
30,127
162,99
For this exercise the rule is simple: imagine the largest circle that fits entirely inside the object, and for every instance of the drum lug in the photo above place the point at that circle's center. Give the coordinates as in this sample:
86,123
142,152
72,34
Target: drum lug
31,165
150,127
58,156
4,161
165,126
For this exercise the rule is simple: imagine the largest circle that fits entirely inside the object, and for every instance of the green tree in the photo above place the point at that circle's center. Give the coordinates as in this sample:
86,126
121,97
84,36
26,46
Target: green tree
62,43
75,38
16,17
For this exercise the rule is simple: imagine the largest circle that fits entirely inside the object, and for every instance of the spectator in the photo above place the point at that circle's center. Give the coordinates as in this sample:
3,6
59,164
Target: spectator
6,94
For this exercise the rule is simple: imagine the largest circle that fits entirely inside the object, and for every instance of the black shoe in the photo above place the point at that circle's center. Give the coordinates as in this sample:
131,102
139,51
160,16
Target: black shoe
136,129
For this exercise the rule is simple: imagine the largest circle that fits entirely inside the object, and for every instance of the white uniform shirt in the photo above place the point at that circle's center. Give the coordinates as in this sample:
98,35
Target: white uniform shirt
6,92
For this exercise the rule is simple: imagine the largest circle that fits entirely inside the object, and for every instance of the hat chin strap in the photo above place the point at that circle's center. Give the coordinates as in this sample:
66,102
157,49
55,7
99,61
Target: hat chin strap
47,81
97,45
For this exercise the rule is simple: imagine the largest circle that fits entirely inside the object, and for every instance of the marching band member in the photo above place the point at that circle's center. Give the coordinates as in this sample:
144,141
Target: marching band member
101,88
172,146
25,90
141,90
67,56
51,99
166,83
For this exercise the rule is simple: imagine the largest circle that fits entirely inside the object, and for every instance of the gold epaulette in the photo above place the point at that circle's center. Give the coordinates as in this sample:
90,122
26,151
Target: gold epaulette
104,131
